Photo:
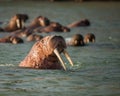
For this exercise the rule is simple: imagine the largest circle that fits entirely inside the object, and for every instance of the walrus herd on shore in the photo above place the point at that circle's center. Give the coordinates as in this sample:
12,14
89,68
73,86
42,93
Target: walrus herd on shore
45,53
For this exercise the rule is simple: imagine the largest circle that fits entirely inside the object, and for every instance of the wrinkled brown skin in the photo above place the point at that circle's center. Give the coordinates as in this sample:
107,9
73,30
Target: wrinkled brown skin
40,21
42,56
34,37
11,39
89,37
12,26
76,40
25,32
5,40
16,40
83,22
37,22
22,33
53,27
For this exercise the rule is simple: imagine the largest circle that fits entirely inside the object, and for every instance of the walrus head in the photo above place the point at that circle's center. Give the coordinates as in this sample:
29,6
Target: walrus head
77,40
20,20
89,37
40,21
43,21
45,54
16,22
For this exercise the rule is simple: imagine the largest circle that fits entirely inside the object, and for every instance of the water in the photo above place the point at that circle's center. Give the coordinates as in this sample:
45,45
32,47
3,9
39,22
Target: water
96,70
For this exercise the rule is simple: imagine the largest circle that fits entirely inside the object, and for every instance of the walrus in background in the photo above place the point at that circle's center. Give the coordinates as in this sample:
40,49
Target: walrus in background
52,27
16,23
39,21
45,54
76,40
11,39
83,22
89,37
5,40
34,37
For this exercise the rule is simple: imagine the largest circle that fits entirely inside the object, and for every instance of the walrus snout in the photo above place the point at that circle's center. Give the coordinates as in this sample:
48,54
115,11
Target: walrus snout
60,47
58,42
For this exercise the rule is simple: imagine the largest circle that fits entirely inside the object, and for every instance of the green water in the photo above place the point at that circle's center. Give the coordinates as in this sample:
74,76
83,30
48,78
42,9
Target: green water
96,70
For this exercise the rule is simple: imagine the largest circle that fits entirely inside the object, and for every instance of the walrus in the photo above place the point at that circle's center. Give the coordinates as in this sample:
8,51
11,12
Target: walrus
76,40
89,37
11,39
45,54
39,21
83,22
34,37
16,23
52,27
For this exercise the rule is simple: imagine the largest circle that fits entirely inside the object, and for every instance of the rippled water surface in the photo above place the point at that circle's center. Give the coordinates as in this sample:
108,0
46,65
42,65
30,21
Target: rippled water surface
96,70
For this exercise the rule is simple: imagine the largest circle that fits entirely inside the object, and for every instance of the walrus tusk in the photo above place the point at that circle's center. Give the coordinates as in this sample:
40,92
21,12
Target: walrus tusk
59,57
18,23
23,24
68,57
42,23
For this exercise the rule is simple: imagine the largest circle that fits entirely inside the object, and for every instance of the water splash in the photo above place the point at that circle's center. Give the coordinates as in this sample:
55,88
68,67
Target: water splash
3,65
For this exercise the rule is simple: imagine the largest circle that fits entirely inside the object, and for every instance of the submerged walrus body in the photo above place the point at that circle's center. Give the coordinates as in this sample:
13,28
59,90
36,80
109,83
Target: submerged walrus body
45,54
11,39
83,22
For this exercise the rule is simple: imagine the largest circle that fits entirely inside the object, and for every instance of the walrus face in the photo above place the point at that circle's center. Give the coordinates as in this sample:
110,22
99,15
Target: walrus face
89,37
20,20
15,40
17,21
57,42
50,43
56,45
77,40
34,37
85,22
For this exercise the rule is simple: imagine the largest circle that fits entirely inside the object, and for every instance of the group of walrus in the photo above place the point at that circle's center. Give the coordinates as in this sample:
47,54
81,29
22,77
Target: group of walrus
45,53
